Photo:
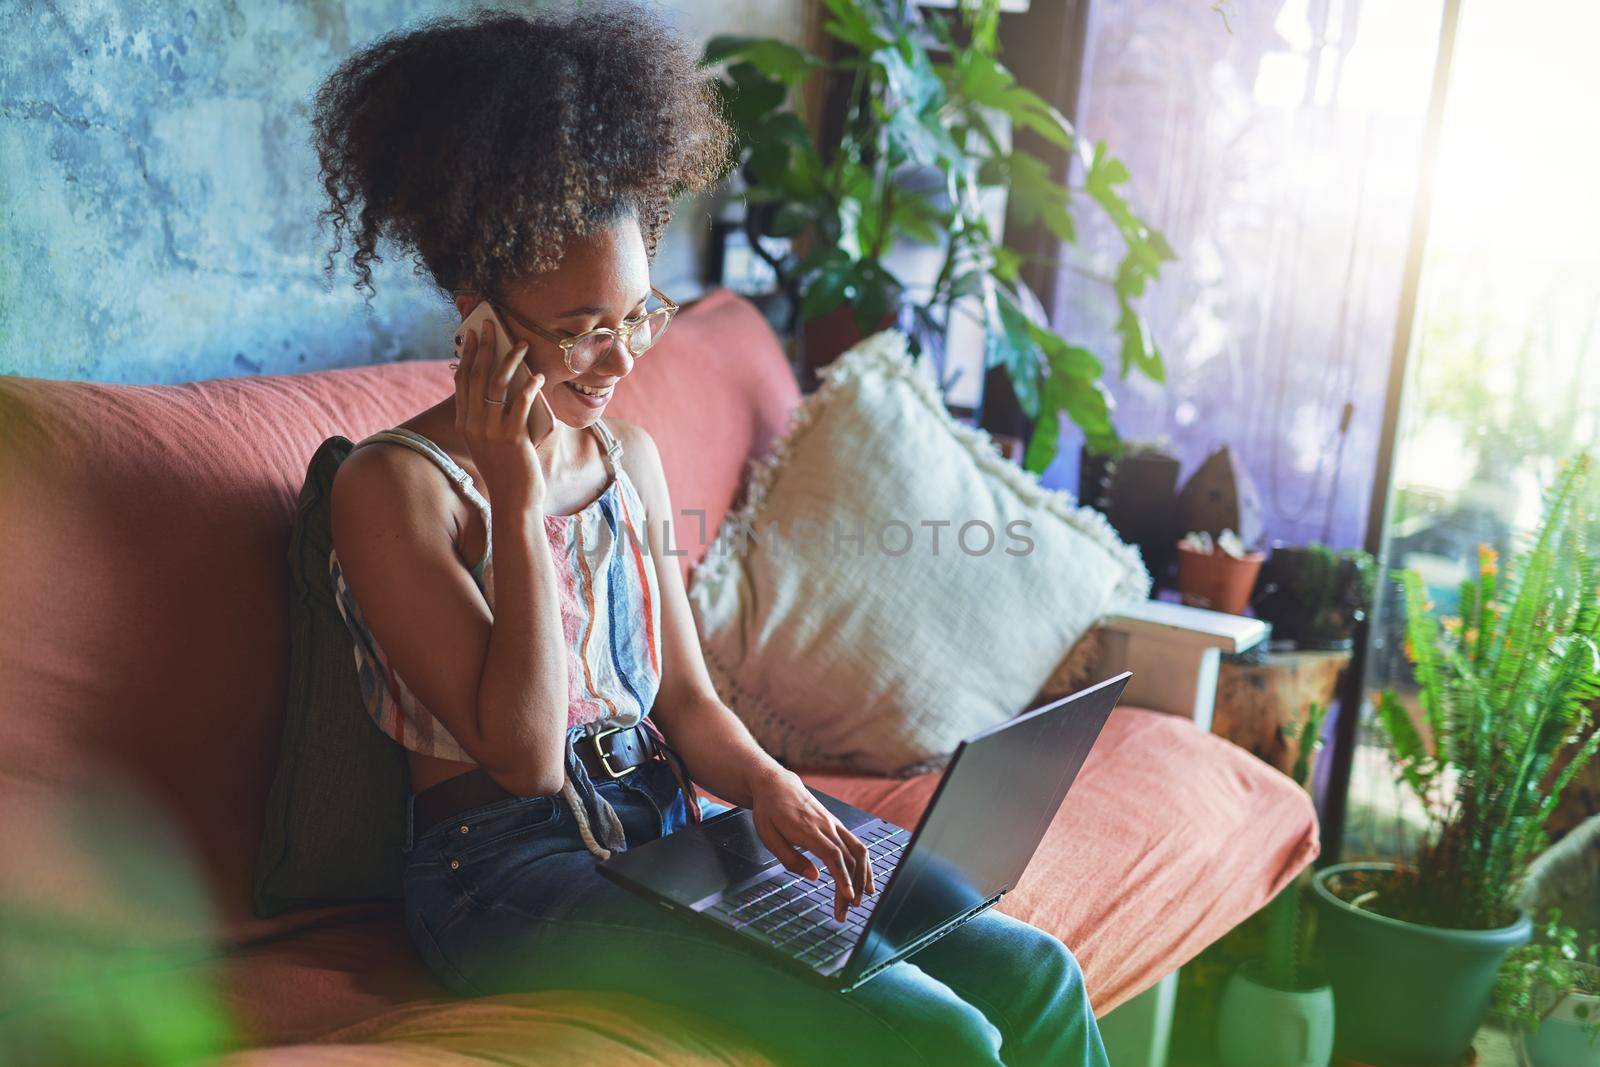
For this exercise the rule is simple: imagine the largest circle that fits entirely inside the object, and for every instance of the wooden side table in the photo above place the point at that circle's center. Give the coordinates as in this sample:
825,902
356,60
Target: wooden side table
1174,652
1260,705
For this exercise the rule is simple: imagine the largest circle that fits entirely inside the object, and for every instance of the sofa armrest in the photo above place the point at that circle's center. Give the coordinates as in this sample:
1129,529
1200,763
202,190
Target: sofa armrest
1174,652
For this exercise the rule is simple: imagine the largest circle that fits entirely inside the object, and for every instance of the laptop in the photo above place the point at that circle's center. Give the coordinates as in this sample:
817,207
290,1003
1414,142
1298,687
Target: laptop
996,799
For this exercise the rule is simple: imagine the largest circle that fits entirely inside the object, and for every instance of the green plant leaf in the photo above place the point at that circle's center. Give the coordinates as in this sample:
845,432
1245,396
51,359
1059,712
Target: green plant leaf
1105,170
825,283
1008,342
912,82
1088,404
787,127
768,162
749,97
774,58
790,218
852,25
1066,360
968,284
873,291
1084,401
1039,197
977,77
1044,443
916,217
1412,759
980,80
1006,264
1029,110
1138,348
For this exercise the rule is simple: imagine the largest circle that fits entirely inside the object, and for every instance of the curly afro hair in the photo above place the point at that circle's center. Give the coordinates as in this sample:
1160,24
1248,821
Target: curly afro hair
479,144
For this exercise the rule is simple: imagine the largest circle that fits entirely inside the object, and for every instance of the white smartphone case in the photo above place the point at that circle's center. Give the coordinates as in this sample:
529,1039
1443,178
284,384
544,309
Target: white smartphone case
543,416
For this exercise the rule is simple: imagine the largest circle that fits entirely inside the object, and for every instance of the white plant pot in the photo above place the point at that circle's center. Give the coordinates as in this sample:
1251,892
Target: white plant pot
1561,1040
1259,1026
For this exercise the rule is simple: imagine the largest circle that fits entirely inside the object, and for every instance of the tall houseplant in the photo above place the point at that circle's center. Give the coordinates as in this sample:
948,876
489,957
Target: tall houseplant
919,147
1502,713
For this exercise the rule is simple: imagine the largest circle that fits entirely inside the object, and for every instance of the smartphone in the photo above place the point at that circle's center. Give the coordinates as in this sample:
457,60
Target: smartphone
541,420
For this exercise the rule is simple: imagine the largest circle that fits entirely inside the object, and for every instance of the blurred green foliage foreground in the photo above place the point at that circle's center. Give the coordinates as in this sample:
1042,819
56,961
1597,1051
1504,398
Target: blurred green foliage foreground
105,953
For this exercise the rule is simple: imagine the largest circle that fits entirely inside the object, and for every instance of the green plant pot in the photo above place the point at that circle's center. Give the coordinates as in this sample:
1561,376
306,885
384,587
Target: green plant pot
1261,1026
1562,1039
1407,995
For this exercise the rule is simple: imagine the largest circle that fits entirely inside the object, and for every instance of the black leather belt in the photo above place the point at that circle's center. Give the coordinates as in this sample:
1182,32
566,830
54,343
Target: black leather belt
606,755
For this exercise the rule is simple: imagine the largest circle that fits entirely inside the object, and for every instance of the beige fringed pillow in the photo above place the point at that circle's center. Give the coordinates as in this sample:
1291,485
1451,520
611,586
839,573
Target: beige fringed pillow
892,584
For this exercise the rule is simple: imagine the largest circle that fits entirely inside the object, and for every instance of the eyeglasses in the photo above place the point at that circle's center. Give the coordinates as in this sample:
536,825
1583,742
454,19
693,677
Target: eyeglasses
585,351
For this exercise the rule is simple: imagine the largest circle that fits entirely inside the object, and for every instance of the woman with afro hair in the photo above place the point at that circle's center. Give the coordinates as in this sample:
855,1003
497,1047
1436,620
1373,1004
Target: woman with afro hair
541,669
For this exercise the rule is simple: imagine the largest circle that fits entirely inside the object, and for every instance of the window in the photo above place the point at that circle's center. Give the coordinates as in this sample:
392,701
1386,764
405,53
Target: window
1277,148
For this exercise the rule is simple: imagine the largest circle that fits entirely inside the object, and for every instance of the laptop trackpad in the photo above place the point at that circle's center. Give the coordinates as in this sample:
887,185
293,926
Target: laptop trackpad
738,835
698,861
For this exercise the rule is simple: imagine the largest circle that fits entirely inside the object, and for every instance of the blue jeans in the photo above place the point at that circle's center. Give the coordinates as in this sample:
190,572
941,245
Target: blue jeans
505,898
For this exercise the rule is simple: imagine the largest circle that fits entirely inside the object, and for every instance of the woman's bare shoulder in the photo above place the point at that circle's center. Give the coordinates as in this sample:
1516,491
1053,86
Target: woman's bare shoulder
642,461
388,485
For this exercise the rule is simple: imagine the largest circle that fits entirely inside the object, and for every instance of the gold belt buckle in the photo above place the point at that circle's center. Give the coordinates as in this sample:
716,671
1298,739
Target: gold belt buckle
605,757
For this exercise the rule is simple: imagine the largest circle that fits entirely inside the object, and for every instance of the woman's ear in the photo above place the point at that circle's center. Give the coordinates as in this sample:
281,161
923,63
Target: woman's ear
466,301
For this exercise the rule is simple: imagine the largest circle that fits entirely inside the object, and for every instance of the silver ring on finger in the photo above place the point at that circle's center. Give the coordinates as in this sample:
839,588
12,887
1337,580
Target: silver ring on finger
501,401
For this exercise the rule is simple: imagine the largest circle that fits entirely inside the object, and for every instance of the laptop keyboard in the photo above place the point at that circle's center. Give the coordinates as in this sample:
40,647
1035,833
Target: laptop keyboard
795,915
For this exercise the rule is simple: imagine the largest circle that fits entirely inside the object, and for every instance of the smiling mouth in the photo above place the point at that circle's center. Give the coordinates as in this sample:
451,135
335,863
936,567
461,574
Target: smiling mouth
590,394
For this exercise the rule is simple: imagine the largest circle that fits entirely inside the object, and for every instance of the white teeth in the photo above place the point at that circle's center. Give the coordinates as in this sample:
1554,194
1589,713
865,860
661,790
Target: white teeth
590,392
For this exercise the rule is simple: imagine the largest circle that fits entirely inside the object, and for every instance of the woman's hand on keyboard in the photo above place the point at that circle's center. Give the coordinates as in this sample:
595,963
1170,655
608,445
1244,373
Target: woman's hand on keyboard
789,820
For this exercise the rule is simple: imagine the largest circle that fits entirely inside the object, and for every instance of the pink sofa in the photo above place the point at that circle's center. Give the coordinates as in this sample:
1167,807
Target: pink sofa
142,672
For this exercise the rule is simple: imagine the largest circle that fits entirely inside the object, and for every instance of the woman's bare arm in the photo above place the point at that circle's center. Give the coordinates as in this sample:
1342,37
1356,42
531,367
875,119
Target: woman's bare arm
720,753
496,680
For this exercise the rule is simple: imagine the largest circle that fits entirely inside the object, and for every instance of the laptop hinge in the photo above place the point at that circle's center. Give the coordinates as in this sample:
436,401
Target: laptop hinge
932,935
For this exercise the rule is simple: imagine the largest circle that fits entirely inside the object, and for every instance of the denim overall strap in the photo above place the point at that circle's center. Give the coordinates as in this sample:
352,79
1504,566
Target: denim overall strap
580,794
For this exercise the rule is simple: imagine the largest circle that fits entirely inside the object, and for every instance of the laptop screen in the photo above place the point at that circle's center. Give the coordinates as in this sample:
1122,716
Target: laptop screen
998,796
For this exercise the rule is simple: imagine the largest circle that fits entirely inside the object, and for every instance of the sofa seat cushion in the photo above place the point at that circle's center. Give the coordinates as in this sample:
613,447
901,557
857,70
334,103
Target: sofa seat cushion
544,1029
300,987
1168,839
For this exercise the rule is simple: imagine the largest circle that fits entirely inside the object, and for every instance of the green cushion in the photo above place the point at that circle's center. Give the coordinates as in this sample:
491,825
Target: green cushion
336,814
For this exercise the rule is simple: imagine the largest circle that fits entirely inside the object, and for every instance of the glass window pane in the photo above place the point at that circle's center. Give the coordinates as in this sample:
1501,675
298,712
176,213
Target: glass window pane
1278,151
1507,339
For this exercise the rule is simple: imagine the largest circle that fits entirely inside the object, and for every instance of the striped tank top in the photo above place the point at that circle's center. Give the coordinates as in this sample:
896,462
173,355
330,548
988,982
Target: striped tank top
610,610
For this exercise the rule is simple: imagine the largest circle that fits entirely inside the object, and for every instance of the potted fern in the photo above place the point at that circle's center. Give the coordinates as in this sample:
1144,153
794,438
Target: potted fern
1277,1011
1500,727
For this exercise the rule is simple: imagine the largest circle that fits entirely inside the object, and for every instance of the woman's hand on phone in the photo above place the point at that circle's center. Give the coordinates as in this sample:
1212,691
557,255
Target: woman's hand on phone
496,435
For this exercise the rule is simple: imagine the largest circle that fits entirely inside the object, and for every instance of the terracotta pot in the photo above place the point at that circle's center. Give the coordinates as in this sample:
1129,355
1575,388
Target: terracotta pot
829,337
1217,580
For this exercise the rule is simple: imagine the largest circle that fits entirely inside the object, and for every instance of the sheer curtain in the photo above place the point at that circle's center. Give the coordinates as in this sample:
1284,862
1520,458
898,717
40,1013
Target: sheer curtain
1276,145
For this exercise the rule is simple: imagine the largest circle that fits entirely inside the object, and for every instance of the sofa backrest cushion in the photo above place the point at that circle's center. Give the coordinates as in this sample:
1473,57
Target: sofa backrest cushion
145,532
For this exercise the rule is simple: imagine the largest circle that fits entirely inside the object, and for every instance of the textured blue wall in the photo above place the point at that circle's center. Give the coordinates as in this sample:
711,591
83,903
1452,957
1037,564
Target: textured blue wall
158,194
